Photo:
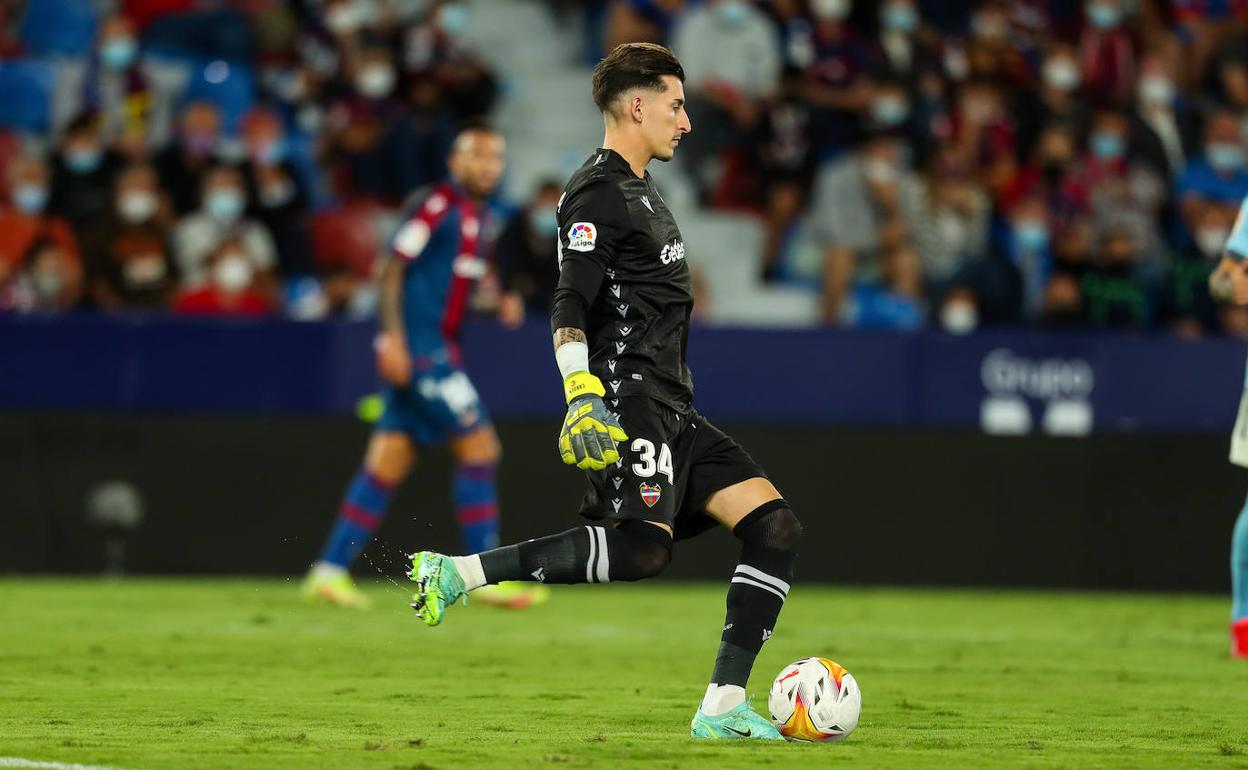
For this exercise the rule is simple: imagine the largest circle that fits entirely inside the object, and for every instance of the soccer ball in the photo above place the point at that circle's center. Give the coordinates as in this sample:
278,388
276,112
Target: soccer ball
815,699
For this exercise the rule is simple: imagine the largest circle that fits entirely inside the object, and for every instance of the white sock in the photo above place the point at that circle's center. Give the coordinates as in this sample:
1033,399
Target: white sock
469,569
722,698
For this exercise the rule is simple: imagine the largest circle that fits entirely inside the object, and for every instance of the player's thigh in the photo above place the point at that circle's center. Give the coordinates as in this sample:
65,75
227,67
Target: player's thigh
724,482
733,503
479,446
390,455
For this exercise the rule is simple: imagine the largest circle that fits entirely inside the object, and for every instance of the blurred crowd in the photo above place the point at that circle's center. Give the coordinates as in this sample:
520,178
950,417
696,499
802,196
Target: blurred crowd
1049,163
917,163
220,158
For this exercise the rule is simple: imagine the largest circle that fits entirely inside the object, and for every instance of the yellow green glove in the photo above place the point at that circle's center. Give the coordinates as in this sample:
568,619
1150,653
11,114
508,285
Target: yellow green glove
590,432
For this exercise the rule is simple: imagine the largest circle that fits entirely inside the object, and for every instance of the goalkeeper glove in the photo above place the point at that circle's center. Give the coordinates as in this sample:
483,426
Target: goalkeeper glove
590,432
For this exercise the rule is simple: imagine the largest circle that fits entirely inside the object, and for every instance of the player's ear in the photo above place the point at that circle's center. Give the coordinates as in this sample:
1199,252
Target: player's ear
636,108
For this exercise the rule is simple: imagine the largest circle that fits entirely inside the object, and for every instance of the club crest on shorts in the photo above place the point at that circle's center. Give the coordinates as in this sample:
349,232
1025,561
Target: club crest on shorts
650,494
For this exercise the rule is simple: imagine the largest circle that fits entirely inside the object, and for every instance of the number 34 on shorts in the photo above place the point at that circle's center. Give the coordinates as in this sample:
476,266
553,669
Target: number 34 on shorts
646,464
649,462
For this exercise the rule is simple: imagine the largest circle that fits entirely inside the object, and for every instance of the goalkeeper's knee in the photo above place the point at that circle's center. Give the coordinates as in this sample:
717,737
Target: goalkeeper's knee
772,526
637,550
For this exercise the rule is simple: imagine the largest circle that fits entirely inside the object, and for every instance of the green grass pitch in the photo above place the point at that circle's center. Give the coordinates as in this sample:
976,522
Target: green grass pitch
180,675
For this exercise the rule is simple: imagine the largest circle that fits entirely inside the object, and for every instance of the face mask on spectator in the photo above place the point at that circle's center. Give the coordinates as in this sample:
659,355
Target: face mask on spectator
30,198
1030,236
225,205
899,17
82,160
269,153
342,19
375,81
958,317
1107,145
1103,16
988,26
830,9
144,270
291,86
542,220
1211,241
957,66
1061,74
277,193
1156,90
135,206
118,53
46,282
453,19
1225,157
309,118
879,171
232,273
889,111
732,12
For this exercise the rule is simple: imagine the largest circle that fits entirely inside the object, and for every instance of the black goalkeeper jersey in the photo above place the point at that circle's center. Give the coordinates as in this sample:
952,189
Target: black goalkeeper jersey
622,261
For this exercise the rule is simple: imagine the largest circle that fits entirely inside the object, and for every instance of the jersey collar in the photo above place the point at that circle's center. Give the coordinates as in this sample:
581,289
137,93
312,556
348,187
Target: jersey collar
613,159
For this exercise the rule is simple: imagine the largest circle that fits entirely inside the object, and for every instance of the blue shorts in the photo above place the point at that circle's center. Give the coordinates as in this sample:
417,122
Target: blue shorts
439,403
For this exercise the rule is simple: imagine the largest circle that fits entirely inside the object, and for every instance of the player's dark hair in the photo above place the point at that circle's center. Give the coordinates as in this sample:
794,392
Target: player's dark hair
633,65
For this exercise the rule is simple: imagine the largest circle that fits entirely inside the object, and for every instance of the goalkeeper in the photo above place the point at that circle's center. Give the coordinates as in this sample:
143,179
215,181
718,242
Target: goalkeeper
657,470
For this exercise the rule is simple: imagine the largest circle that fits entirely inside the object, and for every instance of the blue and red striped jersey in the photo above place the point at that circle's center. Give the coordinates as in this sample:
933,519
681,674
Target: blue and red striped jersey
442,242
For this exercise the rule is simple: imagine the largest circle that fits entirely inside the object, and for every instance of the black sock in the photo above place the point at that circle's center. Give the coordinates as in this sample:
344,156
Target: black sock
632,551
759,586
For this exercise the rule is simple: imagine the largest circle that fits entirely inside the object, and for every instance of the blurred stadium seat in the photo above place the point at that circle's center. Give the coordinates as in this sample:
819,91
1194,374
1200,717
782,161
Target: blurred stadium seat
347,237
25,94
60,27
228,84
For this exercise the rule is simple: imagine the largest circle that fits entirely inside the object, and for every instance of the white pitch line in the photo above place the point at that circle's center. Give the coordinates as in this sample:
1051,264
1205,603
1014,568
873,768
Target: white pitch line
19,762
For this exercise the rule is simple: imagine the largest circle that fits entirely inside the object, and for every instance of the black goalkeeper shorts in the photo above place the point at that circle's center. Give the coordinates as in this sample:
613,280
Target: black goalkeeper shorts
669,467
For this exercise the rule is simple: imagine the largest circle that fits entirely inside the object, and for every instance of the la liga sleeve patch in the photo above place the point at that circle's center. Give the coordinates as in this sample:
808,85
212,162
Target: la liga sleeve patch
581,236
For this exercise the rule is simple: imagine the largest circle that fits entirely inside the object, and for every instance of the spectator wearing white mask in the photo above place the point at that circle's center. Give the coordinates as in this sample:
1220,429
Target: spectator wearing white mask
128,257
220,219
232,289
1164,128
50,281
131,96
864,205
731,57
24,218
1058,98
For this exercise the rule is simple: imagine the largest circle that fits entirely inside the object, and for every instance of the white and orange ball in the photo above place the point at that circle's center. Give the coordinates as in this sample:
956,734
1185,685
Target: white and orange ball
815,699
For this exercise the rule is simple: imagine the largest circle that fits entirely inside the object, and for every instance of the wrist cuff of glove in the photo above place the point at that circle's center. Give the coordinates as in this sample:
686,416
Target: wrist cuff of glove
580,384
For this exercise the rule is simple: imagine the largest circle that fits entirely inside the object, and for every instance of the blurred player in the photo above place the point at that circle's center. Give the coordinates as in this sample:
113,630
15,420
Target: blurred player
438,255
621,315
1229,283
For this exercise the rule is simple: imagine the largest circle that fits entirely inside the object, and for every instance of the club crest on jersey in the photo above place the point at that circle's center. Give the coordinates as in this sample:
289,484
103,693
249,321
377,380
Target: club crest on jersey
650,494
581,236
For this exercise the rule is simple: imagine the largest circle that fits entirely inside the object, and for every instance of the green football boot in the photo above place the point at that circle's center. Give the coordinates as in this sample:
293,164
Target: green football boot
438,586
741,722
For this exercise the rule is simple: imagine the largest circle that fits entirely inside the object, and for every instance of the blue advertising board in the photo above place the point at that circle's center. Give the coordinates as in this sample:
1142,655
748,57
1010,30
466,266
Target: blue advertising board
999,382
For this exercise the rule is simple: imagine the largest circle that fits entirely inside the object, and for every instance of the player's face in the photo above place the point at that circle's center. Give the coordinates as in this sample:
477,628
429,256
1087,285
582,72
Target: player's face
477,162
665,118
